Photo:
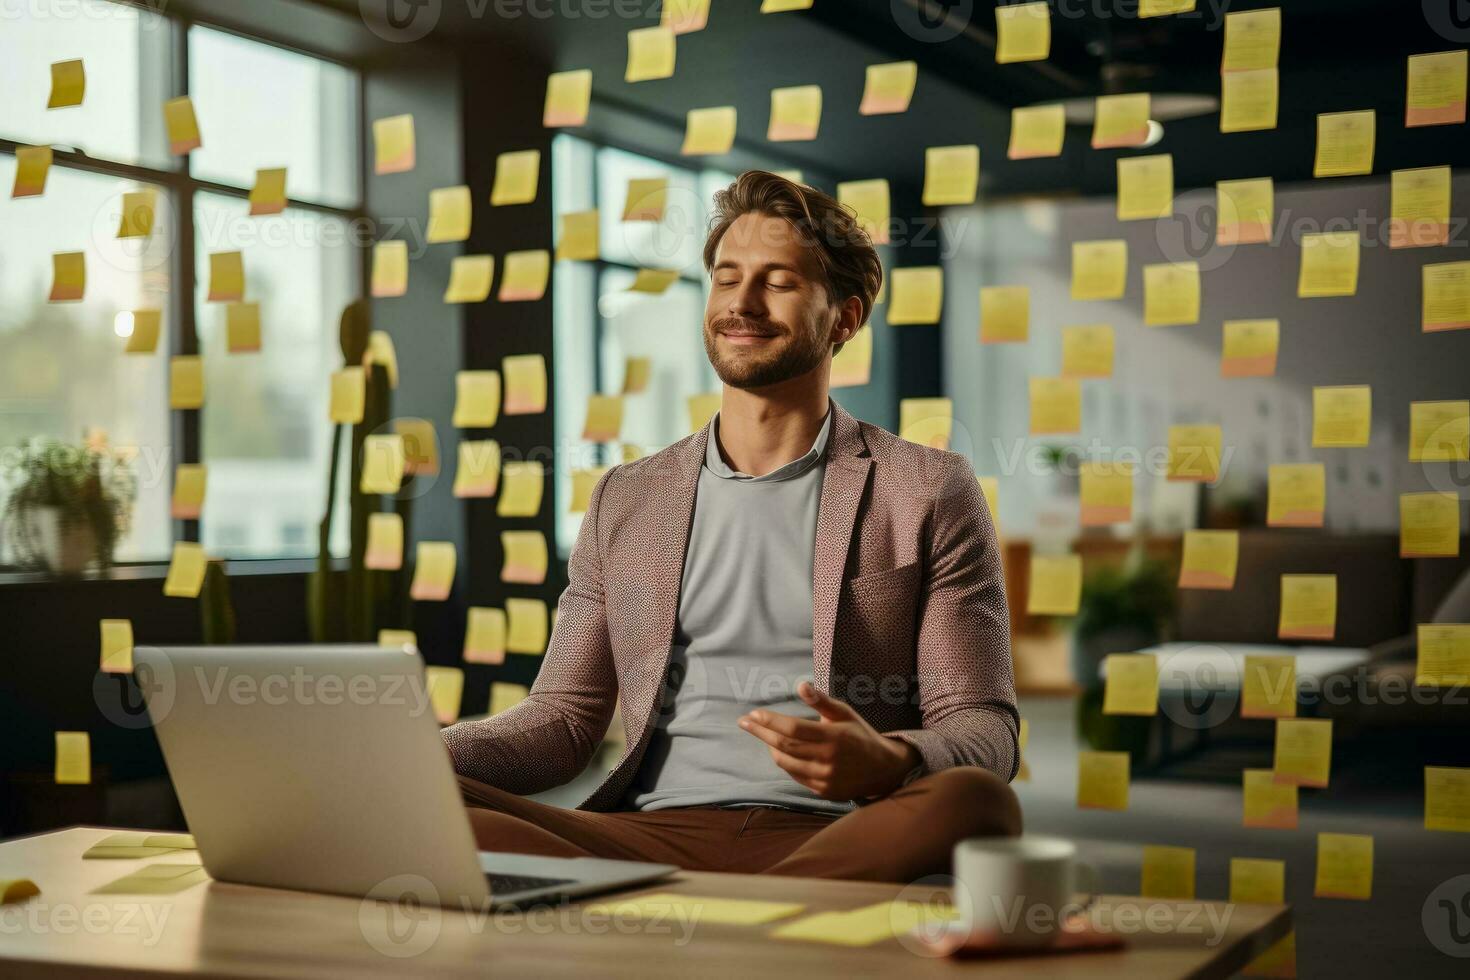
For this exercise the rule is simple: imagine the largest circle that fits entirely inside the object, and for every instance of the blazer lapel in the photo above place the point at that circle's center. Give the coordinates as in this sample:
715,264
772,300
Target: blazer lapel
848,464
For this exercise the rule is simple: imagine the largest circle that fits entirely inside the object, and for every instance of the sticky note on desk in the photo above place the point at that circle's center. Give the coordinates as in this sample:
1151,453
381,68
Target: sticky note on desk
1132,685
17,890
863,926
1267,803
1447,798
1344,866
68,84
1102,780
1444,654
138,844
156,879
433,574
1168,872
1055,585
1268,686
484,636
1303,751
1099,269
697,909
73,758
117,646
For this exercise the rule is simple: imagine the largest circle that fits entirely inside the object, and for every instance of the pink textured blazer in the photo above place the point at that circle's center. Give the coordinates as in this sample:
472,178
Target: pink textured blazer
909,620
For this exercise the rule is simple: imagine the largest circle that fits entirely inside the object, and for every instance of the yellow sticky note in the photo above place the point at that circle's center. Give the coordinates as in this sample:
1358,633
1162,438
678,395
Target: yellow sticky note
1121,120
117,646
349,396
446,692
604,421
68,84
951,174
1429,525
584,481
701,408
1439,432
477,399
32,166
1102,780
1037,131
1420,207
383,463
796,113
918,295
866,926
1005,314
1447,798
68,277
1344,866
1329,264
157,879
1268,686
397,638
1296,494
523,482
782,6
190,481
1099,269
1308,607
926,421
1210,559
393,141
137,214
709,131
1252,40
1436,89
1443,655
186,570
1249,348
1132,685
653,281
147,325
1056,406
1087,351
1342,416
525,557
525,275
1250,101
1257,882
268,196
1168,872
484,636
505,696
1194,453
185,382
1106,493
420,446
650,54
1303,751
17,890
1446,296
1022,33
384,549
433,573
1247,209
227,276
526,632
517,174
637,372
696,908
645,199
889,88
1267,803
525,384
1055,585
568,95
478,471
242,328
580,236
1145,187
182,125
1171,294
1345,142
1162,8
451,211
868,200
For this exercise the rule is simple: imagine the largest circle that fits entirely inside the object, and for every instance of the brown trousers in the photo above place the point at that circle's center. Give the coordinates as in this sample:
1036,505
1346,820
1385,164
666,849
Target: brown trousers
905,836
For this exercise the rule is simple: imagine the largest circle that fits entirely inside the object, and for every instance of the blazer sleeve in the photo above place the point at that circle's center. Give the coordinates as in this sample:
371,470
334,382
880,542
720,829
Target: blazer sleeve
967,688
550,737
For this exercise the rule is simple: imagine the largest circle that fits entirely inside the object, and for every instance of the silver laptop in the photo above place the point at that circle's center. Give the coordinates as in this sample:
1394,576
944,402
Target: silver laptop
322,769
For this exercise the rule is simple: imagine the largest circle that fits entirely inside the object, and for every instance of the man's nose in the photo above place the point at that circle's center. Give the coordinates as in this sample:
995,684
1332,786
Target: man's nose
748,301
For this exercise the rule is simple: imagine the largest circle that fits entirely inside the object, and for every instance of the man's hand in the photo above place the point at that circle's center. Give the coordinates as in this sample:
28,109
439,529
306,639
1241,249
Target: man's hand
840,757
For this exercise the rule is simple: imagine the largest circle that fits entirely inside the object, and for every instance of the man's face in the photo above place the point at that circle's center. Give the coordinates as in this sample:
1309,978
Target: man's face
769,318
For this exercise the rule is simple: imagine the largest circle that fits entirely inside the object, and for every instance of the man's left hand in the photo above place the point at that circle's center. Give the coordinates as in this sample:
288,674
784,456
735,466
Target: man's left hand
840,757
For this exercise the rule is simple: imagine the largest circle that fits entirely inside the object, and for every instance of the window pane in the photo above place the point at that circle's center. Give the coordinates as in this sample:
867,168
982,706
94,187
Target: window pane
264,432
126,54
673,243
62,366
262,107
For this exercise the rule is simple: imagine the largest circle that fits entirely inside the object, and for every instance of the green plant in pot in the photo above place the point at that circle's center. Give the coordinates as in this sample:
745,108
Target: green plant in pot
68,505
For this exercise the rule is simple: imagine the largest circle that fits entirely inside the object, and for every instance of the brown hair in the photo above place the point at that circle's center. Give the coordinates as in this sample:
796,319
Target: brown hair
823,226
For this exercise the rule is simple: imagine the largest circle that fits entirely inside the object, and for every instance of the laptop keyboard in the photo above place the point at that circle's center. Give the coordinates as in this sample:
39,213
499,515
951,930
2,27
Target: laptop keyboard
504,884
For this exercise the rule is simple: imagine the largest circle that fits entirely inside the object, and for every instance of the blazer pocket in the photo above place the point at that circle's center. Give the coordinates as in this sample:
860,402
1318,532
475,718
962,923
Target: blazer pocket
902,579
874,636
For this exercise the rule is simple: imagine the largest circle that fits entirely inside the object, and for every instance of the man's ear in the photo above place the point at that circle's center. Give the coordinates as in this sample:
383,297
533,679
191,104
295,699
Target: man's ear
848,322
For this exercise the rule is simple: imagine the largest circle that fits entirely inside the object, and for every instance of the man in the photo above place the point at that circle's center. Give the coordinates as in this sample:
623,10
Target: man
802,616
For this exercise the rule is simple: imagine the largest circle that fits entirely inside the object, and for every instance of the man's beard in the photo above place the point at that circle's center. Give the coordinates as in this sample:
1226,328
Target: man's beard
803,352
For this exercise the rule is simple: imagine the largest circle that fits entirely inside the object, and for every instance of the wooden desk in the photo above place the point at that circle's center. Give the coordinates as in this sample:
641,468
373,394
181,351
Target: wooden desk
226,930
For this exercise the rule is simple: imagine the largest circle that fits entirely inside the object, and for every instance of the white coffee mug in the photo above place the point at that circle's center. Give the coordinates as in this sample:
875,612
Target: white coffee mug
1020,891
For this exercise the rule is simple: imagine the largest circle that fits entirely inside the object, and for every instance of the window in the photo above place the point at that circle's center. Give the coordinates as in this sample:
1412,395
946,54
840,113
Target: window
262,432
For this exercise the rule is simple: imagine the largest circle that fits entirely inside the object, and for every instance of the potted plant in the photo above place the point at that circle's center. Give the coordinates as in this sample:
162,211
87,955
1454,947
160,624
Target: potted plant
68,505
